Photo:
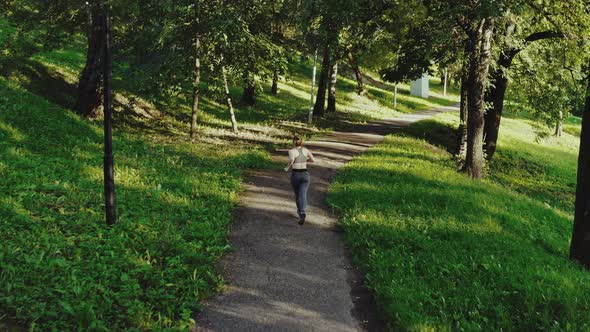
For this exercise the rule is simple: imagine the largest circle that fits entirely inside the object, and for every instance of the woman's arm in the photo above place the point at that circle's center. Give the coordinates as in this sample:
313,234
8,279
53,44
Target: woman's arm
291,161
310,158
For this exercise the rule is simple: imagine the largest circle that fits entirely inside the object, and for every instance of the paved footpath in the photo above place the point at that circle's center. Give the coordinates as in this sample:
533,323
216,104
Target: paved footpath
286,277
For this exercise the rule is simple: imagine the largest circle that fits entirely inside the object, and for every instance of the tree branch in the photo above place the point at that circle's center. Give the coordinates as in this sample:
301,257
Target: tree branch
543,35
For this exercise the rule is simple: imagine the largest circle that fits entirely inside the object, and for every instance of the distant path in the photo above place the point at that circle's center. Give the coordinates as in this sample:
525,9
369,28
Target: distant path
286,277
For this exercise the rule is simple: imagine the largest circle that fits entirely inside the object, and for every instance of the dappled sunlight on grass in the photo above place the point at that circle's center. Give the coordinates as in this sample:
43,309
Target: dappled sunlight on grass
425,236
180,193
543,169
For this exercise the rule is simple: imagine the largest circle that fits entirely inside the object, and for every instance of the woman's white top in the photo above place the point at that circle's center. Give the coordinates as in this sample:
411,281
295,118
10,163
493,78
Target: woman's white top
299,157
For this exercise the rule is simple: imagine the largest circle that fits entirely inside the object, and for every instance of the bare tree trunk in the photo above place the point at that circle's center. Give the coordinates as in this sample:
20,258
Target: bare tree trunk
461,151
90,89
274,90
196,89
445,82
478,73
320,100
315,63
332,89
580,244
559,125
230,107
395,97
360,85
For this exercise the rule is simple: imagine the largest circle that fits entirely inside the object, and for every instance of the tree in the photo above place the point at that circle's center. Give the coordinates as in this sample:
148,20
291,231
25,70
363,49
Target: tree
90,89
334,17
479,35
499,78
320,100
332,89
461,150
580,243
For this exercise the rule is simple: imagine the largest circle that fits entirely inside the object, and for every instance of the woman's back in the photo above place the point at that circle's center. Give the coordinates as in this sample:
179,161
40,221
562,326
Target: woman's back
299,156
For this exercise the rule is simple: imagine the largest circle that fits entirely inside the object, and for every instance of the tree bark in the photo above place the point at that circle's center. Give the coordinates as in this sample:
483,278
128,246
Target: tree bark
315,63
320,99
274,90
196,89
479,61
360,85
461,151
395,97
580,244
90,88
230,107
249,94
332,89
559,125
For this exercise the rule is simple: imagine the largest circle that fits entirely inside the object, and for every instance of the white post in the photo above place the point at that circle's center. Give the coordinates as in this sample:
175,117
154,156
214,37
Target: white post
445,84
315,60
395,97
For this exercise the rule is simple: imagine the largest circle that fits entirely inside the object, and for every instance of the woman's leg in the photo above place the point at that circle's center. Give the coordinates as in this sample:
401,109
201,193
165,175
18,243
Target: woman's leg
302,196
296,188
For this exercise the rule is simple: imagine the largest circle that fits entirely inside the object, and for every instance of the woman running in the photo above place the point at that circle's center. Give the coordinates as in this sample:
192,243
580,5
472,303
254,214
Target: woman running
298,159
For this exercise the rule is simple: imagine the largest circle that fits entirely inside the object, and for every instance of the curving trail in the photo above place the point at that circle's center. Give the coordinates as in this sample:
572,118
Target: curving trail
286,277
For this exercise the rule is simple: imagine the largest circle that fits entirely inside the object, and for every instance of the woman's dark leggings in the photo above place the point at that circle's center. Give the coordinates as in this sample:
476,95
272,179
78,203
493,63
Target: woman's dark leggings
300,183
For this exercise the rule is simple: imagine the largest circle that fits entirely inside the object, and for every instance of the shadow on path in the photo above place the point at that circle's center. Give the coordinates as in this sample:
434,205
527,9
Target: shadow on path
286,277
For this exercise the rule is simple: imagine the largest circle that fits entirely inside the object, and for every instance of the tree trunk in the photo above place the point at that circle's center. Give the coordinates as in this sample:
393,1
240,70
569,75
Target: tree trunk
320,100
479,61
445,82
315,63
395,97
332,89
461,151
360,85
90,84
274,90
230,107
499,82
249,95
559,125
580,244
196,89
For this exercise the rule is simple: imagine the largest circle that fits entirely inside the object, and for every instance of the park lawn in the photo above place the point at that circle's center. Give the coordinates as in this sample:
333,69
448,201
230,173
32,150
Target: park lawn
443,252
61,268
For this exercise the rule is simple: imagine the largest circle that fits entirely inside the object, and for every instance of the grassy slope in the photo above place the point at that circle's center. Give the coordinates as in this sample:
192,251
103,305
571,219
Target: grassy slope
443,252
61,268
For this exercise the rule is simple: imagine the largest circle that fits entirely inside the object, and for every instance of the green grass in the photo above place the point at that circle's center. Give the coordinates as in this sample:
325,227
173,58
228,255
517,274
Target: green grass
442,252
63,268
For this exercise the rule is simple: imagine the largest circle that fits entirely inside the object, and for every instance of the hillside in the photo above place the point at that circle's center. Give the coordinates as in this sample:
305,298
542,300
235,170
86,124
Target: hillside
444,253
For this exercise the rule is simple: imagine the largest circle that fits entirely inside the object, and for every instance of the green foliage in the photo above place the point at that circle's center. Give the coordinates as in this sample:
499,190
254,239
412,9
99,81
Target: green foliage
442,252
